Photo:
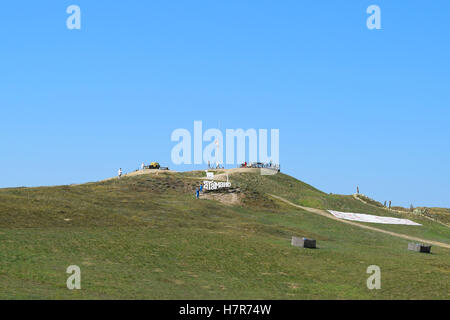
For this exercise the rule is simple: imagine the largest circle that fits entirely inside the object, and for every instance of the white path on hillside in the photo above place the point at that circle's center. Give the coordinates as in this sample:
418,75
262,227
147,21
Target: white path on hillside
329,216
370,218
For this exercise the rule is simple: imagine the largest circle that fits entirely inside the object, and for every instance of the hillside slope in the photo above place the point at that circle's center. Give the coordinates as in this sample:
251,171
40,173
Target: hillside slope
147,237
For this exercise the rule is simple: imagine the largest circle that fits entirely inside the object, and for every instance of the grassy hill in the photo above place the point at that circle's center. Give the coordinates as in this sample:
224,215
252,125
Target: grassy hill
147,237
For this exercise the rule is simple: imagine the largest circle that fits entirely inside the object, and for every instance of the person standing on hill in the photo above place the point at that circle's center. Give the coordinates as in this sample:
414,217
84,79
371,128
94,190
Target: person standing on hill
120,173
197,192
142,166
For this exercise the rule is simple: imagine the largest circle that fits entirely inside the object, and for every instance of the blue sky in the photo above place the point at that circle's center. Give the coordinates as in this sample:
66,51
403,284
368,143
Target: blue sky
354,106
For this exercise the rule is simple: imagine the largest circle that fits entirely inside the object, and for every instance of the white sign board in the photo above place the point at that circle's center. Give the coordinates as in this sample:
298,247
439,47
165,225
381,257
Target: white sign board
214,185
209,175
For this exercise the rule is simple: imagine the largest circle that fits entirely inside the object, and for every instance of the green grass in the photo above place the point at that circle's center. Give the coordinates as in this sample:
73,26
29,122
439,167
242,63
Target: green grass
306,195
440,214
147,237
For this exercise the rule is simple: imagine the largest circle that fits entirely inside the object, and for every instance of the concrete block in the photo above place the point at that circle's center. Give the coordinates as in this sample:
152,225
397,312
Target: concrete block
303,243
418,247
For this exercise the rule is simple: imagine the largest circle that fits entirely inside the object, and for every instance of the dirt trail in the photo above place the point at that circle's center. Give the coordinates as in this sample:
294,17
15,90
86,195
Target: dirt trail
330,216
141,172
355,196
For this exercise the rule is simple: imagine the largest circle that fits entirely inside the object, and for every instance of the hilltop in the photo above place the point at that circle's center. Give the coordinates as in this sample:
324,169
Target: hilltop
146,236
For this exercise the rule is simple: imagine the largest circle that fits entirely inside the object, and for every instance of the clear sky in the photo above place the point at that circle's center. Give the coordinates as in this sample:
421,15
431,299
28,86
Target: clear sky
354,106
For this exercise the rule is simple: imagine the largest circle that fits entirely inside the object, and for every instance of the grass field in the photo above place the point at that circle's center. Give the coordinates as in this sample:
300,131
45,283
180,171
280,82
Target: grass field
147,237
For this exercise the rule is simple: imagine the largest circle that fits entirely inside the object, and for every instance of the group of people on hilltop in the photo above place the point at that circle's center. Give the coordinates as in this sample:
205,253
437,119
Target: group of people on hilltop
269,165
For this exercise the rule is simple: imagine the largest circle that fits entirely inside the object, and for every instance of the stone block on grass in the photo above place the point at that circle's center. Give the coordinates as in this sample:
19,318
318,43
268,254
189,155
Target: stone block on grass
303,243
418,247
